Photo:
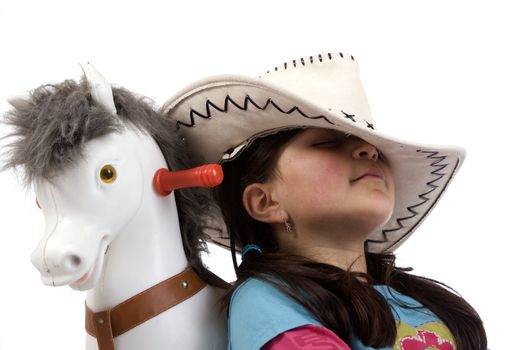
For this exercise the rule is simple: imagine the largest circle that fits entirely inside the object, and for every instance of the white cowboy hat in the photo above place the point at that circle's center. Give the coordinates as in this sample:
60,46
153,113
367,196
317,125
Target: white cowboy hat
219,116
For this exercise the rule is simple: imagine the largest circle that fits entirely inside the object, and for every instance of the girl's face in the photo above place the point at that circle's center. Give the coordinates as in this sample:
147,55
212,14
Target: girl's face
332,183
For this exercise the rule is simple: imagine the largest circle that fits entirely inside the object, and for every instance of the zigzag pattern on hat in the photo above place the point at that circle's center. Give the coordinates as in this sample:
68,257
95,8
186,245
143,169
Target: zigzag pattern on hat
433,155
244,107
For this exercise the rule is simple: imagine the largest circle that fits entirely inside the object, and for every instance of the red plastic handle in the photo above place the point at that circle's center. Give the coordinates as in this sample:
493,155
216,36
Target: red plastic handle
165,181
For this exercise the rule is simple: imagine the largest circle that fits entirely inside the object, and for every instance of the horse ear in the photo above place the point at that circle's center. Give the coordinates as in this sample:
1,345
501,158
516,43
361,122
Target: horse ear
20,102
99,87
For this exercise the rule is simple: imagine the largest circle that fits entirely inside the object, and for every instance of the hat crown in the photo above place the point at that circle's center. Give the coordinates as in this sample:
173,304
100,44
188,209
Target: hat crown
331,81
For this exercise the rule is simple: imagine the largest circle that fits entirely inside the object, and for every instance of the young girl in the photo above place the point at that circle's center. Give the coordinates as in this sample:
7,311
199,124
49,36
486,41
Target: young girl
318,200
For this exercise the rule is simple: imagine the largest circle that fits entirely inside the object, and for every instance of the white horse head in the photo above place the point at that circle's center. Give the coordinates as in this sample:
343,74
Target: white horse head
108,231
87,206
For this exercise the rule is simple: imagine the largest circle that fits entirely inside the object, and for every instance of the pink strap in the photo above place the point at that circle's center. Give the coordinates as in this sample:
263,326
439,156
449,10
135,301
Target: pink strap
308,337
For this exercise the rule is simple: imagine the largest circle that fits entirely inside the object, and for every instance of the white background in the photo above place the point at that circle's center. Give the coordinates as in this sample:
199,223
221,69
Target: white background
446,72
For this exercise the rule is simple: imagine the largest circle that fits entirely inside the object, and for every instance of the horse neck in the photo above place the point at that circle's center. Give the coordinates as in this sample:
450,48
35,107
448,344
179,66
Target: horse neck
148,250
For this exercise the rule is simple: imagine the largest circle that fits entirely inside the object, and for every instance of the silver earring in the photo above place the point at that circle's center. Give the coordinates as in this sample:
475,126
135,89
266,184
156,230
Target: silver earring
287,224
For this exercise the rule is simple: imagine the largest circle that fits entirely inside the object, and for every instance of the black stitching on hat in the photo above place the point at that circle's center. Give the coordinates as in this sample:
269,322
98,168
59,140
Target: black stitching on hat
247,101
290,111
370,126
349,116
437,159
311,58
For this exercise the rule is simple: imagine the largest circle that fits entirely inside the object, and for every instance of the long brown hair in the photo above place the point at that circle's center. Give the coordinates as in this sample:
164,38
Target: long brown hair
343,301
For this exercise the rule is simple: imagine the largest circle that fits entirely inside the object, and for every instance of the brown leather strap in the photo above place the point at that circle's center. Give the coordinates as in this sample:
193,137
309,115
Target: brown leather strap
108,324
103,330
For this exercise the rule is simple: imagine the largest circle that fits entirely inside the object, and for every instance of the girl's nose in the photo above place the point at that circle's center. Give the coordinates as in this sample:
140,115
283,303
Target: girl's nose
365,151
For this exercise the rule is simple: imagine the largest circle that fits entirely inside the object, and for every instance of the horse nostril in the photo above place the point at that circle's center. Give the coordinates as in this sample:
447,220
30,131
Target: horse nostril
72,261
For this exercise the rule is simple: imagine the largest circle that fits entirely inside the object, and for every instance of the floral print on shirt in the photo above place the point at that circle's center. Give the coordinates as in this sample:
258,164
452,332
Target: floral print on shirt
430,336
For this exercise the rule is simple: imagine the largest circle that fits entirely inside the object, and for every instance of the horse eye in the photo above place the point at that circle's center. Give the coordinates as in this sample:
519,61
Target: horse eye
108,174
37,203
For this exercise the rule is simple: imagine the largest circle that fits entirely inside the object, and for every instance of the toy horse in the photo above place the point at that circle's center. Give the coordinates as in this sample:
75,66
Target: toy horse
92,153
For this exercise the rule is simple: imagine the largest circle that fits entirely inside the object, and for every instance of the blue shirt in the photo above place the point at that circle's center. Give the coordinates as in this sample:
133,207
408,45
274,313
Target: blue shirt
259,312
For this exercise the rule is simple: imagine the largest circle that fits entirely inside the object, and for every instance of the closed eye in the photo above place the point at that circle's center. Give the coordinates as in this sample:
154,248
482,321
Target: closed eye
328,143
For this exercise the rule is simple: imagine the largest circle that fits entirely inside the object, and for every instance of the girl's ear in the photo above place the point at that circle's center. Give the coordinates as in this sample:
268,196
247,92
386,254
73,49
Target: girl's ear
260,205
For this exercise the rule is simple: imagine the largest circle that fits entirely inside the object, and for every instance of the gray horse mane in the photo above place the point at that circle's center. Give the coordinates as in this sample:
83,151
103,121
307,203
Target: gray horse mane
52,126
50,129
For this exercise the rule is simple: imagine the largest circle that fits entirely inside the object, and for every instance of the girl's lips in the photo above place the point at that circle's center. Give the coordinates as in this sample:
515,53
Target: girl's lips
372,172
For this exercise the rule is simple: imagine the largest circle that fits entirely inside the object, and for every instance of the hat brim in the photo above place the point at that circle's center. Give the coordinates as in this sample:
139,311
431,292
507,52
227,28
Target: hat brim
221,115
